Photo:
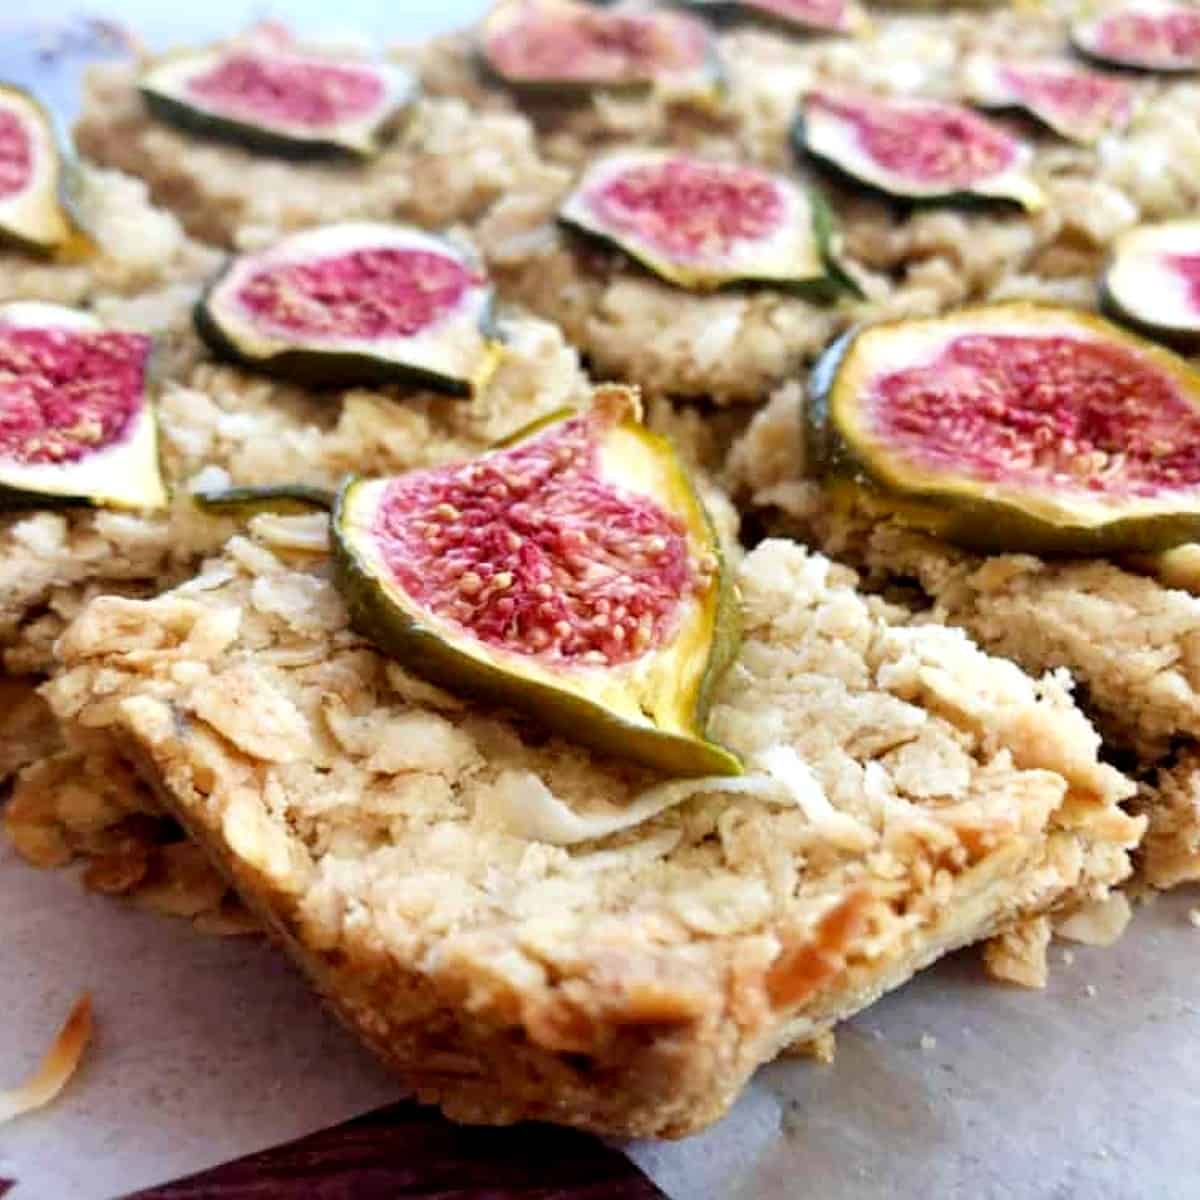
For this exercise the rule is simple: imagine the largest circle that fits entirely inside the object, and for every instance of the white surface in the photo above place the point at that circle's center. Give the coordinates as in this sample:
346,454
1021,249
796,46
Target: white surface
1059,1095
205,1048
160,22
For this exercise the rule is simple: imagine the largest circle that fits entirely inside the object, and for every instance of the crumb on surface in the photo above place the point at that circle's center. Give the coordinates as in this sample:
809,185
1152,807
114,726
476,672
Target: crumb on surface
1018,955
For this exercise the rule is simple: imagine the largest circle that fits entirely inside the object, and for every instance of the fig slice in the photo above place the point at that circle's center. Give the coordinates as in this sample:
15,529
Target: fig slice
807,16
560,46
702,224
1152,282
358,303
1150,35
1014,427
250,500
76,425
916,149
1076,103
32,213
572,574
273,100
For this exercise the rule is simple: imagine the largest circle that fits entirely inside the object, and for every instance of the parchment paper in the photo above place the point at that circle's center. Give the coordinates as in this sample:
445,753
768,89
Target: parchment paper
210,1049
206,1048
1088,1091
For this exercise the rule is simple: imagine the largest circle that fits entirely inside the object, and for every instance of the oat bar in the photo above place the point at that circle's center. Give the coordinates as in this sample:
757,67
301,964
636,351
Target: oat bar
526,931
447,166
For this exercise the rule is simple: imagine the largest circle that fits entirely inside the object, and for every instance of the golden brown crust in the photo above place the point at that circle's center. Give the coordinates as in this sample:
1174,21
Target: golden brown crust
91,804
28,730
1170,852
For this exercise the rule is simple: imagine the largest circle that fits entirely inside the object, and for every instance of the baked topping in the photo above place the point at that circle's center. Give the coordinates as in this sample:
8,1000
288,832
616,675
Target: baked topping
1018,427
572,573
75,421
356,303
702,224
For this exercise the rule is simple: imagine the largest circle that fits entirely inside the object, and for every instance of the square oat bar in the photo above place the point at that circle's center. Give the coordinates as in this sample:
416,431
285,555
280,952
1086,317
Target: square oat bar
525,930
446,166
1129,640
141,272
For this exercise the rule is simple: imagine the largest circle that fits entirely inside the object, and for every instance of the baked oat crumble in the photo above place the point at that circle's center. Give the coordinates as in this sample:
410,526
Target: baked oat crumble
376,825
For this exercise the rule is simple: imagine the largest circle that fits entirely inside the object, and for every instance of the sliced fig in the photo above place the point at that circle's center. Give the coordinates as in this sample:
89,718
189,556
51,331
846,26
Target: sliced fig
359,303
274,100
1079,104
32,213
808,16
1153,282
562,45
572,574
1018,427
916,149
76,425
1149,35
702,224
279,498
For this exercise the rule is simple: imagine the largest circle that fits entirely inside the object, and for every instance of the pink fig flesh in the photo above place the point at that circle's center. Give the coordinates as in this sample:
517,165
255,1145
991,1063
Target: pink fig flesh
833,15
571,574
534,550
257,86
1050,412
928,142
566,43
691,208
65,394
356,303
16,154
1015,427
1070,96
1168,39
375,292
1187,268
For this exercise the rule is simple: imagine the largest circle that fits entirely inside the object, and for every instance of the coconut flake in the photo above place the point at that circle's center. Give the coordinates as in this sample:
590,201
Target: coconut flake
209,479
60,1063
792,773
1098,922
521,804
